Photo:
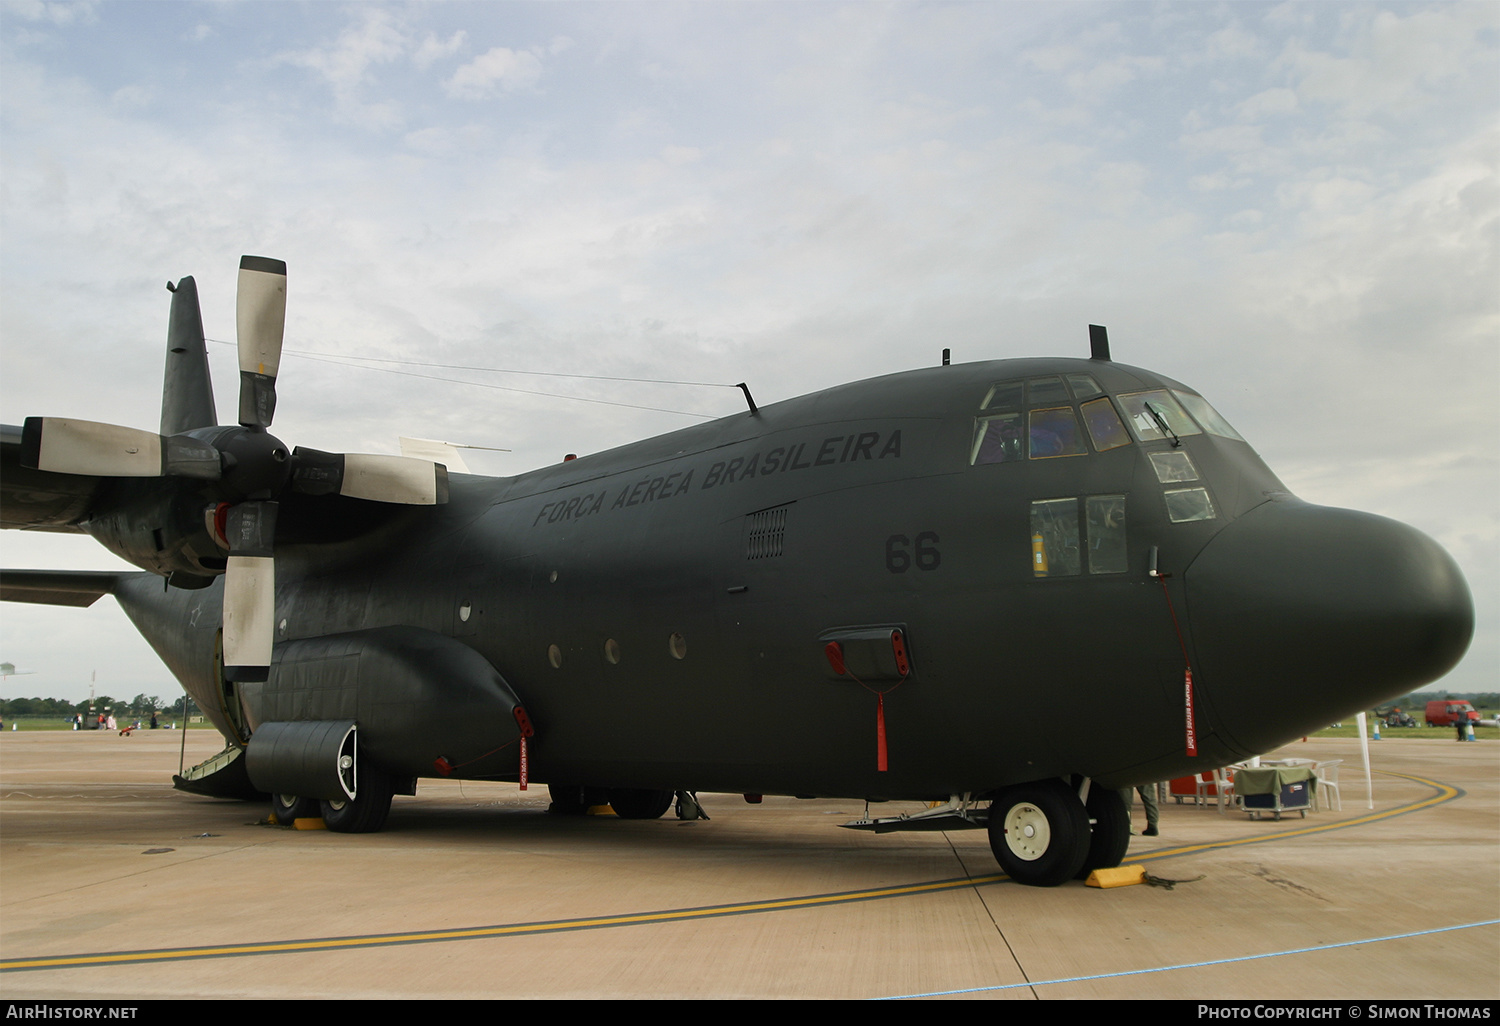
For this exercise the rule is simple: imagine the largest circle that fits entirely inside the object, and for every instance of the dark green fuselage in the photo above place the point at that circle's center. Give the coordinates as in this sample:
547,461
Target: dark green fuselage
662,609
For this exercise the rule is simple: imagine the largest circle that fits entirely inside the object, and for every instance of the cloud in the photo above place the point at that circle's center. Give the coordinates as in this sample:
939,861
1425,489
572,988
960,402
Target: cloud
433,49
1392,64
55,12
377,37
1269,103
1323,270
500,69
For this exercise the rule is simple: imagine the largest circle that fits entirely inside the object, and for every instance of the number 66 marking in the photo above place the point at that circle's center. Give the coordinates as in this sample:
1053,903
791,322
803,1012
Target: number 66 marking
899,552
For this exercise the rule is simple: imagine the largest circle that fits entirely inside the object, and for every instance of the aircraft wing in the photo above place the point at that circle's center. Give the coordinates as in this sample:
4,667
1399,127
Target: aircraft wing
59,587
39,500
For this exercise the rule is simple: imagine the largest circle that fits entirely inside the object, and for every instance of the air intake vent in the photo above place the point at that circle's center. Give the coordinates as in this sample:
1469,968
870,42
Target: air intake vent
766,531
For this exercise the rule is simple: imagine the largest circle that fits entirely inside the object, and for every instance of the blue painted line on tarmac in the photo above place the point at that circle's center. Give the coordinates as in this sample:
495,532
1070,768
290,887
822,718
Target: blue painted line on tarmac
1191,965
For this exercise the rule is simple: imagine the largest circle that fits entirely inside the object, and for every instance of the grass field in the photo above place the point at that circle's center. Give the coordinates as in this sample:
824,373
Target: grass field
56,723
1397,733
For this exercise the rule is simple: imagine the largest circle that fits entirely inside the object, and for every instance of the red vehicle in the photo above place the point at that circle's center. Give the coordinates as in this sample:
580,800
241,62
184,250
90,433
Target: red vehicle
1443,713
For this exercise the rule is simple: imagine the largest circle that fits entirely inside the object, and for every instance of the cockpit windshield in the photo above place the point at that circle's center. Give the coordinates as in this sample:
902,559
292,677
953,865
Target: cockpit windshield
1207,415
1147,412
1036,418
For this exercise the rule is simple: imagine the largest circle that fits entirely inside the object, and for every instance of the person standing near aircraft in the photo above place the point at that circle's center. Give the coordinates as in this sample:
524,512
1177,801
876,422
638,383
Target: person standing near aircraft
1148,799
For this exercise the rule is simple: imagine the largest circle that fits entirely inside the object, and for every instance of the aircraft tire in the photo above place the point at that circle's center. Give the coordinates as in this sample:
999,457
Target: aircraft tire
367,812
567,800
1109,834
1039,832
635,803
287,808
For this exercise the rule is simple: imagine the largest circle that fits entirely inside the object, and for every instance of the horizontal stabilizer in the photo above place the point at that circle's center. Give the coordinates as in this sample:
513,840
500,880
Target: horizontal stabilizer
59,587
435,451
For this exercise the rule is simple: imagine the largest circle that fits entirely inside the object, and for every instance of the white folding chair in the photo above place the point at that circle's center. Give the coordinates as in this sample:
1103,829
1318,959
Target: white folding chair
1328,782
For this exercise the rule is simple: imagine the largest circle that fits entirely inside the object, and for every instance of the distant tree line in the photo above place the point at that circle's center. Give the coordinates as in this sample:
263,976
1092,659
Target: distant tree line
140,706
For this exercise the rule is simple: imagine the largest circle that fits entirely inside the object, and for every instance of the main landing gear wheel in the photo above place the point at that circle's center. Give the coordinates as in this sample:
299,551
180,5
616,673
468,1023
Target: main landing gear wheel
575,799
1039,832
636,803
288,808
372,803
1109,835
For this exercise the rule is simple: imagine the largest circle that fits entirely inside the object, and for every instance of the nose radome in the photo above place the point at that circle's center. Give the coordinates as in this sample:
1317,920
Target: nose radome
1304,614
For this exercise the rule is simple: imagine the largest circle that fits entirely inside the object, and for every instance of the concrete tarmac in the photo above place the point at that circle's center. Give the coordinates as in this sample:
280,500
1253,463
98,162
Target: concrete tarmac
474,891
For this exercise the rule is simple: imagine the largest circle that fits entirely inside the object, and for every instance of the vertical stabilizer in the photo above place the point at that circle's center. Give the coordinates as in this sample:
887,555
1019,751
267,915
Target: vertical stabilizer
187,395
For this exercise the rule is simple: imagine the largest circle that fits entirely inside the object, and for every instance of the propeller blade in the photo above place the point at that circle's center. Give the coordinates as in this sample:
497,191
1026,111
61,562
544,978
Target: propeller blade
250,592
260,316
400,479
394,479
65,446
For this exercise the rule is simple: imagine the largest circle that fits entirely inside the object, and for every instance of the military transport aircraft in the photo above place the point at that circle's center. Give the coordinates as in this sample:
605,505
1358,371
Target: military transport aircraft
1012,586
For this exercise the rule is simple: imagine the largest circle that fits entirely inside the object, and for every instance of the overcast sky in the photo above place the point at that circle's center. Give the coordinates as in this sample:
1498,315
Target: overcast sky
1293,208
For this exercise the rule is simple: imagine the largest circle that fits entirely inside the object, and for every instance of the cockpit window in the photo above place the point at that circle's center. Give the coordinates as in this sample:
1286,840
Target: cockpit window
1106,523
1142,417
1006,395
1084,386
1045,390
1054,538
1055,432
1173,465
1207,415
997,439
1104,425
1188,504
1057,547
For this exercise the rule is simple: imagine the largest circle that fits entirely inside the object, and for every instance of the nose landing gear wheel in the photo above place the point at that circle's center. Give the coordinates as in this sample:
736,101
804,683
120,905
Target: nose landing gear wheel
1039,832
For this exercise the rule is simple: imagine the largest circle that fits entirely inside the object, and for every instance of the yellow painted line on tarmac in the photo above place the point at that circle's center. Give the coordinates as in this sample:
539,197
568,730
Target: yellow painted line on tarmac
511,929
1445,793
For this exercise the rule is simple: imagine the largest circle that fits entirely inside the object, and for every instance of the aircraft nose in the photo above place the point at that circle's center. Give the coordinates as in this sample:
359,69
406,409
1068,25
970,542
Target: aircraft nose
1303,614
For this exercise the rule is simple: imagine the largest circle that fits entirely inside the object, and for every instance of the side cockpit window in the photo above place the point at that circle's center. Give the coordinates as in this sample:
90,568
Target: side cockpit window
1054,538
997,439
